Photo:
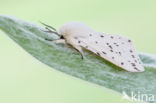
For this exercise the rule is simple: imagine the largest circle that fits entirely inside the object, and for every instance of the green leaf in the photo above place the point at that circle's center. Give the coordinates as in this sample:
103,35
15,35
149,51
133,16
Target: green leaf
93,68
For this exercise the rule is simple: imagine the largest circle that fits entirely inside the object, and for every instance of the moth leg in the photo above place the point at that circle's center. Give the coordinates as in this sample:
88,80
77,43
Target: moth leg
79,49
57,41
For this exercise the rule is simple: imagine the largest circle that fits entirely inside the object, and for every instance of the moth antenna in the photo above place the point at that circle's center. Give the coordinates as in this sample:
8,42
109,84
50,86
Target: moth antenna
49,30
47,26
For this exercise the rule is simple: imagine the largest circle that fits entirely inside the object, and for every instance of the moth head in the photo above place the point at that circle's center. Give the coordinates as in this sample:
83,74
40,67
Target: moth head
51,29
72,28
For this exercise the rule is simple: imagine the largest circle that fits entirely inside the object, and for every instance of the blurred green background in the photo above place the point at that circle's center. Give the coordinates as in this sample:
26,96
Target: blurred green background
25,80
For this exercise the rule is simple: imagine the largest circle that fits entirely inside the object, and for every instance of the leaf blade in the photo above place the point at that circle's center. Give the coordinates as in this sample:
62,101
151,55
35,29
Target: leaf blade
94,69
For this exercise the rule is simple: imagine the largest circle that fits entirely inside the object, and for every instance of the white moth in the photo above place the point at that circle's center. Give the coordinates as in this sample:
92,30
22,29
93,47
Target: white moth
118,50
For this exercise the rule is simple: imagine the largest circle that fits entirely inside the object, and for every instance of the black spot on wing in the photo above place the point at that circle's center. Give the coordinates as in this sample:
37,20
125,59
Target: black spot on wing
104,52
79,41
129,41
122,63
111,50
133,56
110,46
136,68
86,47
133,64
135,61
120,53
115,44
101,36
119,37
98,53
111,37
75,37
131,51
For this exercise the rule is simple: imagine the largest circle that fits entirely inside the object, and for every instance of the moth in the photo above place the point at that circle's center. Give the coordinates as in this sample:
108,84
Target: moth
116,49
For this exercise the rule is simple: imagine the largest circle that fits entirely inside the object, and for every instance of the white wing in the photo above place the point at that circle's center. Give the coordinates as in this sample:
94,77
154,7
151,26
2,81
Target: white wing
117,49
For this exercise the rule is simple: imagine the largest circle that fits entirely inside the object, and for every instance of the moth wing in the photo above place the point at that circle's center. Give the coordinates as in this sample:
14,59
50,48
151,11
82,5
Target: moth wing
117,49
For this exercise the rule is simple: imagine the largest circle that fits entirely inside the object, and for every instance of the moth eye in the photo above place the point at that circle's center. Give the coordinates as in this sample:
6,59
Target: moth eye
61,37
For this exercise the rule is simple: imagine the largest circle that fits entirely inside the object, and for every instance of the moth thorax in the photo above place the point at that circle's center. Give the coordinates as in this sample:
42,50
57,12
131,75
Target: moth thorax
74,28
